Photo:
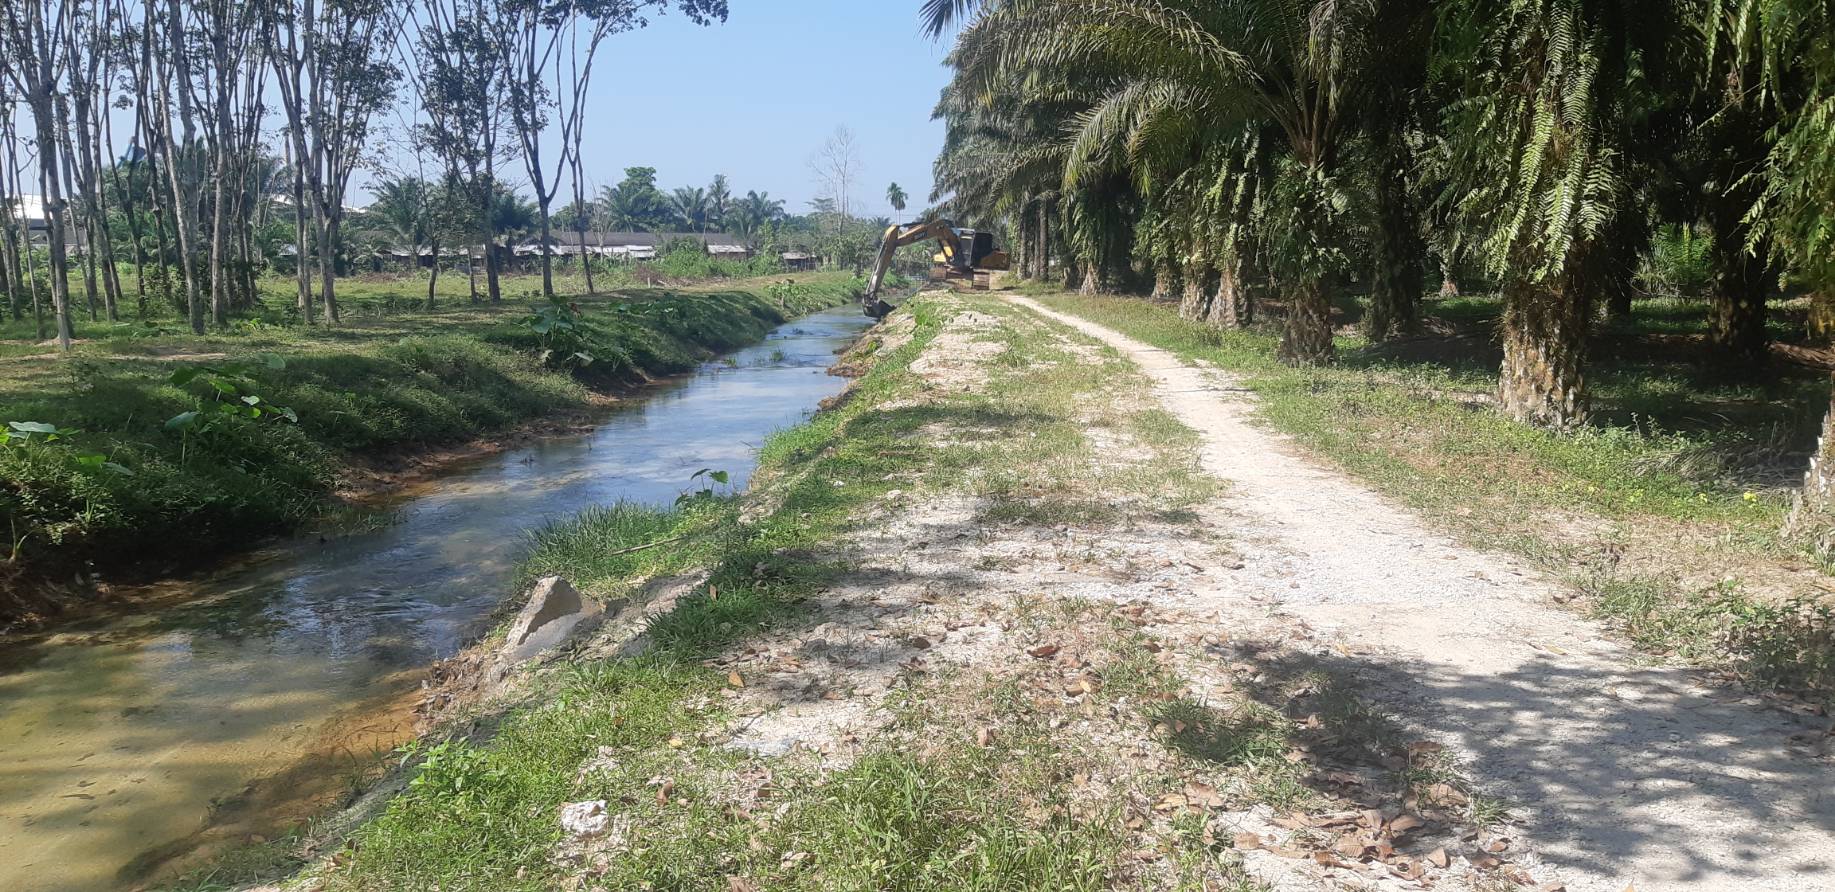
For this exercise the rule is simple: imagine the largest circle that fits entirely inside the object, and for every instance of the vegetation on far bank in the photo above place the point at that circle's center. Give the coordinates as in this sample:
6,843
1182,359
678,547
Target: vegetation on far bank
1666,512
150,441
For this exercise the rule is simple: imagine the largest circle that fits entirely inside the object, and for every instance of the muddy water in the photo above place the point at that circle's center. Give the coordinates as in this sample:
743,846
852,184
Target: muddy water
117,737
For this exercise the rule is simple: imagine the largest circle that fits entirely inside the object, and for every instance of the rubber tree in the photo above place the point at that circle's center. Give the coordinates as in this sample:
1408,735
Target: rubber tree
34,35
334,73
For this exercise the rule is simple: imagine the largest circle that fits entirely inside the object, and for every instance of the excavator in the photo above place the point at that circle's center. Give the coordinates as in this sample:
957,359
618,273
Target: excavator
966,254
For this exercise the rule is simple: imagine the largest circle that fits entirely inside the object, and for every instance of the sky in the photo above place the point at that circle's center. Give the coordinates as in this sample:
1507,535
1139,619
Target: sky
754,98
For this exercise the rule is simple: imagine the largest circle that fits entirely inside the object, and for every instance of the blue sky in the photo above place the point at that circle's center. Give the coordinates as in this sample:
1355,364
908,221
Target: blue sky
755,97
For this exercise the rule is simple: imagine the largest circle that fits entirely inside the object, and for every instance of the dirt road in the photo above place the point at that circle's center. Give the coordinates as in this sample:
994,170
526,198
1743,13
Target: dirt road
1623,774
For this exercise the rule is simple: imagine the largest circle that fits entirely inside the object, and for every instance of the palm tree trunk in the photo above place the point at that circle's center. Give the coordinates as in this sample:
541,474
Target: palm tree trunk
1545,337
1043,265
1229,305
1812,512
1395,288
1195,297
1743,279
1307,338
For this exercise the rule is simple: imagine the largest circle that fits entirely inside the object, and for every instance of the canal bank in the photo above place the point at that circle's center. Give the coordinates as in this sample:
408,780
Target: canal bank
131,733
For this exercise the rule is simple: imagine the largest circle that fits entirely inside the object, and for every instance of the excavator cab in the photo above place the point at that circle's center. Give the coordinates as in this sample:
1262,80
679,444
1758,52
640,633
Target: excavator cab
964,254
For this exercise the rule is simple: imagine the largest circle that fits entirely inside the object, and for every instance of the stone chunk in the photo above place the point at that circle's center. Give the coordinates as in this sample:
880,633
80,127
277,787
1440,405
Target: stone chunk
555,610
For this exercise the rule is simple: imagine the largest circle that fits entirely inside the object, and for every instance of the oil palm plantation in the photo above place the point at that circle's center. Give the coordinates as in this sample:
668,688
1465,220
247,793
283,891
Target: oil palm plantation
1183,70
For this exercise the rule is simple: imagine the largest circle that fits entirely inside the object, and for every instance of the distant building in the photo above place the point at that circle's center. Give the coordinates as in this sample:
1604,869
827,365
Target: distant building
798,261
632,245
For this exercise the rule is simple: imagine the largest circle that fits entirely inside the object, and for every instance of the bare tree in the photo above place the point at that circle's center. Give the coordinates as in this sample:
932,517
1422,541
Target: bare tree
837,167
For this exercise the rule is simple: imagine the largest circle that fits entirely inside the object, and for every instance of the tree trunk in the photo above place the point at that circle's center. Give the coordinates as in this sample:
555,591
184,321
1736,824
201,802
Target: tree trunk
1043,266
1812,512
328,266
1742,280
1545,339
1194,295
55,214
1449,286
1307,338
1229,304
492,286
433,273
547,253
1092,281
1395,286
586,261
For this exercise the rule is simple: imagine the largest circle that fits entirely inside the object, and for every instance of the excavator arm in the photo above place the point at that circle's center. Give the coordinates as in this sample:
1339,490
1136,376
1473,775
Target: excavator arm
963,254
898,236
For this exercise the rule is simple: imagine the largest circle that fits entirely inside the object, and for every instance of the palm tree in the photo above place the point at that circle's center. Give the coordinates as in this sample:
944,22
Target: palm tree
1293,65
754,211
896,197
400,210
1537,161
690,206
719,202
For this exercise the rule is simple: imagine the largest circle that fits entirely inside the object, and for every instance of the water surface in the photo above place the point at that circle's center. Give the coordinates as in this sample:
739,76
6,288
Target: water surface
117,735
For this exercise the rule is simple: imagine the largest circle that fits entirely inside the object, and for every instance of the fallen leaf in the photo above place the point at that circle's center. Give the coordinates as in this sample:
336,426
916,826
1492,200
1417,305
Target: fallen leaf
733,679
1349,846
1405,823
1203,795
1425,747
919,642
1044,651
662,792
1247,840
1485,862
1408,870
740,884
984,736
1444,794
1439,858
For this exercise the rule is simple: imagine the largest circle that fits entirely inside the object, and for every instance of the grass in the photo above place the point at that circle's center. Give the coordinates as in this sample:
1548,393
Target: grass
917,810
1682,474
393,378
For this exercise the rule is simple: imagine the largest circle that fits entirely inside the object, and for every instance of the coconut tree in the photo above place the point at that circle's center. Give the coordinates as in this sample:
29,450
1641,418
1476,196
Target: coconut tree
896,197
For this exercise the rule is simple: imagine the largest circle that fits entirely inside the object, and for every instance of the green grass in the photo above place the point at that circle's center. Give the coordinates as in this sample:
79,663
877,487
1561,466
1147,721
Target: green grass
1679,470
397,379
917,811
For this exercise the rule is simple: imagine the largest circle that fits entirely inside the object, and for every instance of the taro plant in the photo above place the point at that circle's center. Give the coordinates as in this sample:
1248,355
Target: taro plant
706,479
23,434
230,396
556,325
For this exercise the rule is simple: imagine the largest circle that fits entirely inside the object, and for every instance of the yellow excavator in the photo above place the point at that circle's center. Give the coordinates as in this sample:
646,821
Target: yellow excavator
966,254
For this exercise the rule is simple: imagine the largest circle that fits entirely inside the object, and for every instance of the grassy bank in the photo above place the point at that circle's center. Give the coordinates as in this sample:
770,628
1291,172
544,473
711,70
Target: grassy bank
151,442
926,804
1665,512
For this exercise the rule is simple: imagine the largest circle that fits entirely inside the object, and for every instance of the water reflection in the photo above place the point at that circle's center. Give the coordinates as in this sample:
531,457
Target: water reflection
116,736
